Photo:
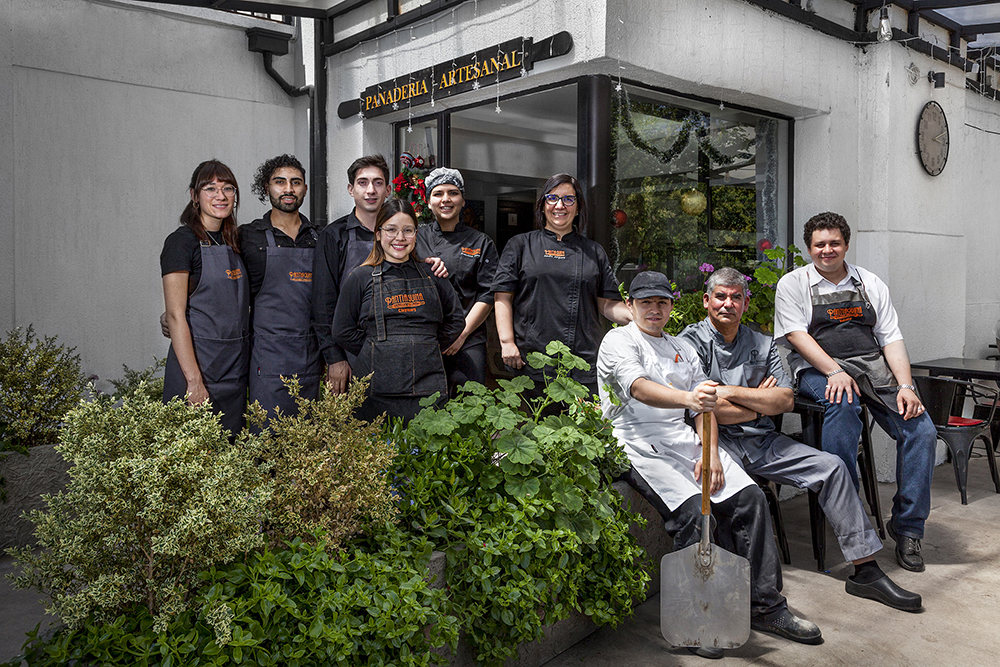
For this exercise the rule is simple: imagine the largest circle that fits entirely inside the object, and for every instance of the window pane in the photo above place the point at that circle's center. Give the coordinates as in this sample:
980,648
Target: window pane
418,142
694,184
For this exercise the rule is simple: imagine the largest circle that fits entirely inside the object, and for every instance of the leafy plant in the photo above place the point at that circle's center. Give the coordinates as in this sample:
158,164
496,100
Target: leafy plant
156,493
521,505
301,605
149,380
328,468
41,382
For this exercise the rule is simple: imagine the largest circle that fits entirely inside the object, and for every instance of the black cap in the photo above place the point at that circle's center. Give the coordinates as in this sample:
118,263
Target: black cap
650,283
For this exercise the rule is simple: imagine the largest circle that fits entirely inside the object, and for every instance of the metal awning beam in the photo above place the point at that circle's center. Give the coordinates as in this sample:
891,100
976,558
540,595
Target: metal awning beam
261,6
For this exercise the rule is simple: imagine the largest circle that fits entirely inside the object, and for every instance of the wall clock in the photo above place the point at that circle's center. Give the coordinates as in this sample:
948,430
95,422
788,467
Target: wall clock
932,138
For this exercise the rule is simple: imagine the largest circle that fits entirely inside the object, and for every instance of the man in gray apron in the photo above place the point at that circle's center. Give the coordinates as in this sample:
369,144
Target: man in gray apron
753,385
654,379
278,252
847,349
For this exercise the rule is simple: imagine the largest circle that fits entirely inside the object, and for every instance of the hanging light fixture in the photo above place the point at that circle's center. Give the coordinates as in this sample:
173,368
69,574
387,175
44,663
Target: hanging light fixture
884,26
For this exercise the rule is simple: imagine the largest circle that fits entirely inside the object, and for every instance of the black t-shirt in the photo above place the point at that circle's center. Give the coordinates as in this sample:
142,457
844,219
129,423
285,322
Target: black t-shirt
471,258
253,246
182,252
328,266
555,285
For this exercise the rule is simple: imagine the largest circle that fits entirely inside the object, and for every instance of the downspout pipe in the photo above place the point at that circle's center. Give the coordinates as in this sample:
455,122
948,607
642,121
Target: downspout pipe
270,43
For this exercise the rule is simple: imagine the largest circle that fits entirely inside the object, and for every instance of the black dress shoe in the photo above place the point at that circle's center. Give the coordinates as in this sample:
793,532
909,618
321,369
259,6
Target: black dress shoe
884,590
907,550
785,624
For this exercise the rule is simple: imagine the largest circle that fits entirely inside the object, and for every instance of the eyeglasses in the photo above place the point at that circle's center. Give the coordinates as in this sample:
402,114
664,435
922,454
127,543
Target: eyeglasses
227,190
393,232
567,200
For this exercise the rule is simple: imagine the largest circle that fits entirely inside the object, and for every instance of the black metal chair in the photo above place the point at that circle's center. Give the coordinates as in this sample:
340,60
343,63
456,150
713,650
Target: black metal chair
959,433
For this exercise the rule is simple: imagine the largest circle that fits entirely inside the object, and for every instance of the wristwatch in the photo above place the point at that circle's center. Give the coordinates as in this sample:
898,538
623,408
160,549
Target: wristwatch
908,386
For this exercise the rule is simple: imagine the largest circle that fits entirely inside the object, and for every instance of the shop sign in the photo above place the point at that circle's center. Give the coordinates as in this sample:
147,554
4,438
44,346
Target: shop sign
491,65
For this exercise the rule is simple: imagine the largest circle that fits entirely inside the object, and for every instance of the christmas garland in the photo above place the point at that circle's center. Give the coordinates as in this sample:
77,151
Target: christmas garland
697,121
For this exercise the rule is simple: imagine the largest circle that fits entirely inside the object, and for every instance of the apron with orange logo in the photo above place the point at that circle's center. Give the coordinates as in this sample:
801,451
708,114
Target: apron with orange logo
283,340
401,342
218,315
843,324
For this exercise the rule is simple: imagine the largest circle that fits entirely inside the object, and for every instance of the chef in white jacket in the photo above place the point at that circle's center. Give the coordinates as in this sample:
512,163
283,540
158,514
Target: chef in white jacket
647,381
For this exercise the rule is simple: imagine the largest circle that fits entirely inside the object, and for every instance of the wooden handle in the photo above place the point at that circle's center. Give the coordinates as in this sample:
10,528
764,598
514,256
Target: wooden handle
706,463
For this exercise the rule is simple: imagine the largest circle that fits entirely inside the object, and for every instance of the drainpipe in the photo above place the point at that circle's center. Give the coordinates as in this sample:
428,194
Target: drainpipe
269,44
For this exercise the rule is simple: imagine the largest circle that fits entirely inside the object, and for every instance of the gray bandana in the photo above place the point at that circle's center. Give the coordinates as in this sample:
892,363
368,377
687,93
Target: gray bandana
443,176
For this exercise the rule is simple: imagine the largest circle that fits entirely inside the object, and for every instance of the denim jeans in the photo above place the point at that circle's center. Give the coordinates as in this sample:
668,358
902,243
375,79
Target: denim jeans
915,447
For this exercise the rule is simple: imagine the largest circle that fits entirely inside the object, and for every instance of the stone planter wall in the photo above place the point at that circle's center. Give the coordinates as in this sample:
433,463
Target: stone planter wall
577,627
43,470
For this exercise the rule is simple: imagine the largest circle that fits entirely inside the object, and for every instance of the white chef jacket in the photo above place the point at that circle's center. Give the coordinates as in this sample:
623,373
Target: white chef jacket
661,447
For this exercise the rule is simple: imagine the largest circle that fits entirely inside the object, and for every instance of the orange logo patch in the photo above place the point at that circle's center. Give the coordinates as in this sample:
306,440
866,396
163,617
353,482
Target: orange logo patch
556,254
405,303
301,276
471,252
234,274
844,314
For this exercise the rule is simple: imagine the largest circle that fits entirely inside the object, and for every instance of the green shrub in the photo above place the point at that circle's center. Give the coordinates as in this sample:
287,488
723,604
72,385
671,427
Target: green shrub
156,493
522,507
149,381
329,469
41,383
298,606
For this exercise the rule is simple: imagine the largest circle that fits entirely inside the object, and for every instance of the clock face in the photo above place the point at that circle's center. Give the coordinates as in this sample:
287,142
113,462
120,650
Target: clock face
932,138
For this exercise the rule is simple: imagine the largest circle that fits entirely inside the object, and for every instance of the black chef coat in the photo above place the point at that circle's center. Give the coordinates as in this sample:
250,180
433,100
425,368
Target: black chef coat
555,286
471,258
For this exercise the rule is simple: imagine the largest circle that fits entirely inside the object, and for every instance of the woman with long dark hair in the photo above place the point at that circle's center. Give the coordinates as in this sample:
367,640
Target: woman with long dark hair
554,284
397,317
207,299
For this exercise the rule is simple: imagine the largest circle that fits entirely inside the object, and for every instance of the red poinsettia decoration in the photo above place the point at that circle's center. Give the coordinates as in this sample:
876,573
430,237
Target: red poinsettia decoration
409,185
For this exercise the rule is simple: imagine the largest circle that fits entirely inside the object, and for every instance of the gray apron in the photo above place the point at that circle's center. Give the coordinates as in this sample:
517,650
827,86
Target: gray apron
401,345
283,340
843,325
218,315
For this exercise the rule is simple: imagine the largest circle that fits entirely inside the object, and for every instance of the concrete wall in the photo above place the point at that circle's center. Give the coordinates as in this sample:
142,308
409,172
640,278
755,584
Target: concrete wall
108,108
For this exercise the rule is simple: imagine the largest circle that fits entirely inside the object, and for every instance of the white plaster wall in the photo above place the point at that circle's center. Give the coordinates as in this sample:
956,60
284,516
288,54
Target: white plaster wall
110,107
7,272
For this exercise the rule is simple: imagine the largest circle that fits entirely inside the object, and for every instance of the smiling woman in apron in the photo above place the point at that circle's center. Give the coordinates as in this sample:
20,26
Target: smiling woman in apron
207,299
397,317
471,257
554,284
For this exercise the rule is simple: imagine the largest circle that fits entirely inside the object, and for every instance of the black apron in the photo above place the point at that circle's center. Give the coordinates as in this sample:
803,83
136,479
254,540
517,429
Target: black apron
843,324
401,345
283,339
218,315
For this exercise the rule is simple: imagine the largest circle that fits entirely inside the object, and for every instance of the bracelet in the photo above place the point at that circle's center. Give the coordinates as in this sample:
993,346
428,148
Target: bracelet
839,370
908,386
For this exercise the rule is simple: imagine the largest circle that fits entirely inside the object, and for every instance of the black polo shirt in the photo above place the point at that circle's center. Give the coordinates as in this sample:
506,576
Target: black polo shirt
555,285
328,267
253,246
471,258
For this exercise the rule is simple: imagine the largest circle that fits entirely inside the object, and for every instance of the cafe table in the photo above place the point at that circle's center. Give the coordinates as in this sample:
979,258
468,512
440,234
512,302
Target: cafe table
962,368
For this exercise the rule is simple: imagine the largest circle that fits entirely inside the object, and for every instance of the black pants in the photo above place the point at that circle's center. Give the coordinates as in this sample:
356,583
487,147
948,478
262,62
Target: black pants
467,365
740,524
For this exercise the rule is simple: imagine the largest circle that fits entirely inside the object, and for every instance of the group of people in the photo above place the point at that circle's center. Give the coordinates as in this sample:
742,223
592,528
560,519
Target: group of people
374,293
845,349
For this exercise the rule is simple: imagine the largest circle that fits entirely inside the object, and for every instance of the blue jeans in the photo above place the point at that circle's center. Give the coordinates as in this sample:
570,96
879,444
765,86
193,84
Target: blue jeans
915,447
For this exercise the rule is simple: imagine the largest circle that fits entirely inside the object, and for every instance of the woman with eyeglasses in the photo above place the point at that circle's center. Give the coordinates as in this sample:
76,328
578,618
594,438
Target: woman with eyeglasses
471,258
554,284
207,299
397,317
